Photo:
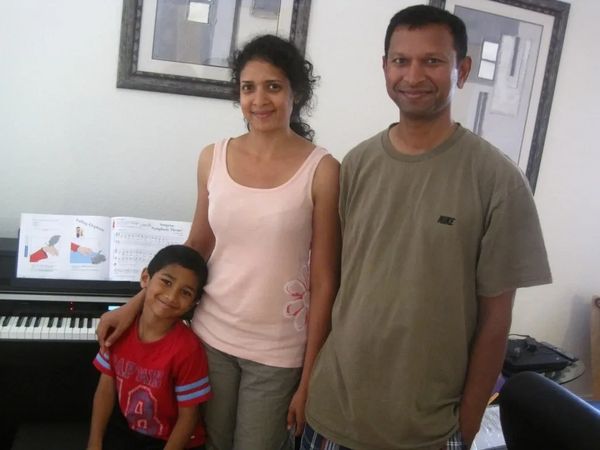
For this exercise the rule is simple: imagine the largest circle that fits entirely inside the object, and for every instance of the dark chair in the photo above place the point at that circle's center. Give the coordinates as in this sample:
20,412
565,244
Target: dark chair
537,413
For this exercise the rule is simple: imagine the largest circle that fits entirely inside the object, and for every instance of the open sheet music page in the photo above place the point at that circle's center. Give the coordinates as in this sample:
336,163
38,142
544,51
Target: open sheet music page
135,241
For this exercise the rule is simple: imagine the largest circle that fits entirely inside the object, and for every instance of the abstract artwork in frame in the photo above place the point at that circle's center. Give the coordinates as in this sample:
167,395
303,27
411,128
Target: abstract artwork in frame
184,46
515,46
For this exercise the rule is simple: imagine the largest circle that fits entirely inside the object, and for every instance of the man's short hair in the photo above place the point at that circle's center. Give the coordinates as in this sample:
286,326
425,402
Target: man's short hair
419,16
183,256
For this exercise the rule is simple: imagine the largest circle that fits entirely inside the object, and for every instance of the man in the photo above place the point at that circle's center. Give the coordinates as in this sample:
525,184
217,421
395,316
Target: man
439,230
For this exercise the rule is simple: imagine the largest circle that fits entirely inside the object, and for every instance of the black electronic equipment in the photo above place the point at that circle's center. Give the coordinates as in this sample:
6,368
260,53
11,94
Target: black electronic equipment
529,354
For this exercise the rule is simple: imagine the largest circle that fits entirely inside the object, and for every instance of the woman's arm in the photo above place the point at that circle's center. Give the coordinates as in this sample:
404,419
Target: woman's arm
104,401
187,418
324,276
201,237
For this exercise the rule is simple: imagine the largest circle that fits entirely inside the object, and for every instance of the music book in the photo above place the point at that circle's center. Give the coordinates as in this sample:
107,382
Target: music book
74,247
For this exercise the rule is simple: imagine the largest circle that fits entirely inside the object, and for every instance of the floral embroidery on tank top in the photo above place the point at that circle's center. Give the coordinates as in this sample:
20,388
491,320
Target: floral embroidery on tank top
299,292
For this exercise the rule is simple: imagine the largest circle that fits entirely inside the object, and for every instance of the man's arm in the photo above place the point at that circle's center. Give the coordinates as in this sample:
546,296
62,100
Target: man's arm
485,360
187,418
104,401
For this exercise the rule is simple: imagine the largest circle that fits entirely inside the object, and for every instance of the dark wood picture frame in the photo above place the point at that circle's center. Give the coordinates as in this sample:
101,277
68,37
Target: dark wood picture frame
130,77
560,12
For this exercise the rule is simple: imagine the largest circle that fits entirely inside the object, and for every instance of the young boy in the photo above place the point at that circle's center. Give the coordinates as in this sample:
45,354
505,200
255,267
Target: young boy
157,369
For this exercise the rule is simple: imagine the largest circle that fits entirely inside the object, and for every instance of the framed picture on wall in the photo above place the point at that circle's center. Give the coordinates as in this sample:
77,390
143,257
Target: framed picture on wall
184,46
515,46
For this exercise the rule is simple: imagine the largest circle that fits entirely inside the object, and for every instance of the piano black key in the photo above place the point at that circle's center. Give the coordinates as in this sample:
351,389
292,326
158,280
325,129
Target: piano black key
20,320
28,321
37,322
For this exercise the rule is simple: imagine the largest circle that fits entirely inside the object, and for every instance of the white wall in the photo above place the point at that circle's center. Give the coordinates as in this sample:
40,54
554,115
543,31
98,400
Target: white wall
71,143
568,198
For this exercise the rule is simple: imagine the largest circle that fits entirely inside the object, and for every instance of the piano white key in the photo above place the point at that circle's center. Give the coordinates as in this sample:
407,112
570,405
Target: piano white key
87,328
45,331
83,329
5,330
38,332
17,329
3,327
29,328
53,331
12,327
62,329
18,332
76,331
71,330
92,330
67,332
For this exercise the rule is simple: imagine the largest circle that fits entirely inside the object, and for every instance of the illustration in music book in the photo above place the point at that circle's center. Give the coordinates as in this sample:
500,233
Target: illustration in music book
75,247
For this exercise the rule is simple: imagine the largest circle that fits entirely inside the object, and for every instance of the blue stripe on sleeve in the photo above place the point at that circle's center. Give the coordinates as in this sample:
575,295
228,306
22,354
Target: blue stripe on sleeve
194,385
102,361
193,395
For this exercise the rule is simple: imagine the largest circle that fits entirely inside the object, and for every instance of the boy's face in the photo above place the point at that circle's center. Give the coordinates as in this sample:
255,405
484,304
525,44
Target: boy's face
170,292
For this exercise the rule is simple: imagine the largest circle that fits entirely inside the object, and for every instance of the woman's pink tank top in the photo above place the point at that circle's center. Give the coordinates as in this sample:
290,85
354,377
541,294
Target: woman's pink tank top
255,303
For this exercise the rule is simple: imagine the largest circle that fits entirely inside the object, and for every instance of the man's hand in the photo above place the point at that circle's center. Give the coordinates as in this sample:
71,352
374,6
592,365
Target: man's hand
469,423
485,361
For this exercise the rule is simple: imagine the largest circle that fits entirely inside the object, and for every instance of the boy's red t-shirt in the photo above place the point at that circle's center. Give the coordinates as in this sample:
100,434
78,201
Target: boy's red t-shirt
154,379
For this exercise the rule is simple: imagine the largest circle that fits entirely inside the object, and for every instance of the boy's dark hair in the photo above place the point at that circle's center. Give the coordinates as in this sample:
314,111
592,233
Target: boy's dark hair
183,256
419,16
285,56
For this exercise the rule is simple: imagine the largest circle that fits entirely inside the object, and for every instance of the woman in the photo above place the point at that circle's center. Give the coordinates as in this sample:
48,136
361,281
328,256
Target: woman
266,219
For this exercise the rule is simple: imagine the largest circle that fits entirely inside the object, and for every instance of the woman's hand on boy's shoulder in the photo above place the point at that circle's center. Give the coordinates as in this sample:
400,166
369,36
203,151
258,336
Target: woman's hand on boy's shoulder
114,323
105,329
